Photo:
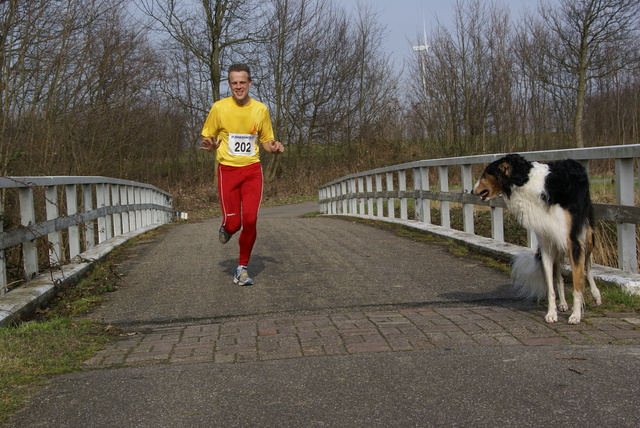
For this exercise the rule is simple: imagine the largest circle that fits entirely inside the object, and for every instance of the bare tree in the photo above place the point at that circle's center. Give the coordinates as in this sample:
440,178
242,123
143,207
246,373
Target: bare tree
466,101
39,44
612,109
585,40
212,31
301,69
375,76
79,92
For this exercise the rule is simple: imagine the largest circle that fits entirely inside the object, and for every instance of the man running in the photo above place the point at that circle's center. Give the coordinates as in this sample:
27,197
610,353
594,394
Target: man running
233,129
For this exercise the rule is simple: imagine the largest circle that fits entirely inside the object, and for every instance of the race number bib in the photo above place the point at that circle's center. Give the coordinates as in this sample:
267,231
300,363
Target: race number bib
242,144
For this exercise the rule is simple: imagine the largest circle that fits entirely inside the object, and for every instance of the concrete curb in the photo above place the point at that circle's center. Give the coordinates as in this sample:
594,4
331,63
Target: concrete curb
22,302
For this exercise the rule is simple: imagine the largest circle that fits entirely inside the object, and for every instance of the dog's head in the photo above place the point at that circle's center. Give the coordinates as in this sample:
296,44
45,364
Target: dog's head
499,177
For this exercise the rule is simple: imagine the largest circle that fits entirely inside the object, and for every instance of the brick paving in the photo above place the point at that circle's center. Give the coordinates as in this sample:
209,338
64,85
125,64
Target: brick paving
275,337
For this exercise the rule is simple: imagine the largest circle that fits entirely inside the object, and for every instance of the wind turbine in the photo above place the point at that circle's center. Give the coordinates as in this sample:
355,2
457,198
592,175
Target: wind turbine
422,52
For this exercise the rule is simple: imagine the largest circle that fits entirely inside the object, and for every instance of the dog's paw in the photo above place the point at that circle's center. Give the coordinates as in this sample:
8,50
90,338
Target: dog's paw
598,299
563,307
551,318
574,319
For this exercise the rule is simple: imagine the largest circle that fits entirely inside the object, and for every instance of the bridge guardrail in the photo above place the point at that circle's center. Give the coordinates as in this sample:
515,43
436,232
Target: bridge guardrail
384,194
62,218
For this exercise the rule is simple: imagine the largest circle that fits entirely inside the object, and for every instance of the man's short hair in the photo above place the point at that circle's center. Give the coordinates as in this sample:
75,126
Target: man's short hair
241,67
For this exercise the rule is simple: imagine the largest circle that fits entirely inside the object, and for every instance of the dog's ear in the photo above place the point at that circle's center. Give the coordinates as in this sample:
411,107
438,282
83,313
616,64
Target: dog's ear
505,168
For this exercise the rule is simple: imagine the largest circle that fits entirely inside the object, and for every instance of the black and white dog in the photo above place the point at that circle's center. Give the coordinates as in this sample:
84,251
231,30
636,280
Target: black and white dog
553,201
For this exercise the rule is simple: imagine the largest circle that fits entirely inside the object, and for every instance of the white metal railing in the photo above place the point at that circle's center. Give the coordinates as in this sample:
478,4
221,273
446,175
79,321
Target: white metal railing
385,193
74,212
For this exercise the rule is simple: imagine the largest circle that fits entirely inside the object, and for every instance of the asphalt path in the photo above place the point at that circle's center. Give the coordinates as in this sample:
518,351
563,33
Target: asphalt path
298,264
304,267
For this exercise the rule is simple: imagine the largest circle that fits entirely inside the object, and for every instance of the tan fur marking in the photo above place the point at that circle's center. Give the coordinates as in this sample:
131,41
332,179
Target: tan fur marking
577,266
505,167
490,183
590,243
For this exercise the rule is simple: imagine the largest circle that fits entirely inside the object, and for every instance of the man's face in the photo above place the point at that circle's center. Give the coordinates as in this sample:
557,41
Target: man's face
239,83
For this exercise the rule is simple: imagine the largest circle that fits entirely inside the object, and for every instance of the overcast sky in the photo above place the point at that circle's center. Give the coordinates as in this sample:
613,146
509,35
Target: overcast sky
405,19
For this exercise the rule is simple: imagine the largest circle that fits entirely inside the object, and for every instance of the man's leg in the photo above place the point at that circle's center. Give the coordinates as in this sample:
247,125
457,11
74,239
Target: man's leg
229,194
251,195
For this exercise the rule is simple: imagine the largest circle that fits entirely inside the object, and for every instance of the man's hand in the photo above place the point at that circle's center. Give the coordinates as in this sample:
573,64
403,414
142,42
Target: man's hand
210,144
273,146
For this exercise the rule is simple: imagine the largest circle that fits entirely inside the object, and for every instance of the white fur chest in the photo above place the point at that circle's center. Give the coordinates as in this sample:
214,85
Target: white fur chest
532,212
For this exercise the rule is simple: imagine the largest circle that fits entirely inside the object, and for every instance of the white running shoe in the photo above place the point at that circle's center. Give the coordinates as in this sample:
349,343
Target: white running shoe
241,277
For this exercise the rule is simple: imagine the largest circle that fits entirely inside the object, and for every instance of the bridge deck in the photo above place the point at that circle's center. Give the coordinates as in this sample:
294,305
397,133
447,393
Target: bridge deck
347,325
298,264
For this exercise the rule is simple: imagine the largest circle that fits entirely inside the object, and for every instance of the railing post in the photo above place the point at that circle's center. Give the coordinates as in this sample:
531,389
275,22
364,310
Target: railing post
143,211
443,179
346,201
351,190
125,214
379,201
343,194
27,219
102,220
369,199
497,223
89,231
52,211
467,209
117,217
402,184
109,217
138,200
417,187
132,214
147,200
71,196
361,203
155,214
425,203
625,195
391,202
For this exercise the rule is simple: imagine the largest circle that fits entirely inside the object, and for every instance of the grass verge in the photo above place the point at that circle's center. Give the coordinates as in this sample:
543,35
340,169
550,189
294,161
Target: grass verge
57,340
33,351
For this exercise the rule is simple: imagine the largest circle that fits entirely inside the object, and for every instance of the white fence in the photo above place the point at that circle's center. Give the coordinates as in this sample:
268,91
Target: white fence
77,213
384,194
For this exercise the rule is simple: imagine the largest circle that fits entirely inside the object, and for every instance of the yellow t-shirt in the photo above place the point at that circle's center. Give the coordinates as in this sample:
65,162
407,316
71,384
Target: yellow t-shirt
242,129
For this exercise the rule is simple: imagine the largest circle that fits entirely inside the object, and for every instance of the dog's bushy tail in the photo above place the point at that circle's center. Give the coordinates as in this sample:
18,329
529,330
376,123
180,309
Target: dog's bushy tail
527,277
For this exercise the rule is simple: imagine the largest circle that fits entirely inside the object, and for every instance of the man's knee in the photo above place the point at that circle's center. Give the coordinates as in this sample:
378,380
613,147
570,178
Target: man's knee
249,222
232,223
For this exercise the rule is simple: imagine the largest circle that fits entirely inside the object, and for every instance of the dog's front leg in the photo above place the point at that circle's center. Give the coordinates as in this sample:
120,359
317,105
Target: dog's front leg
547,267
576,314
578,272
